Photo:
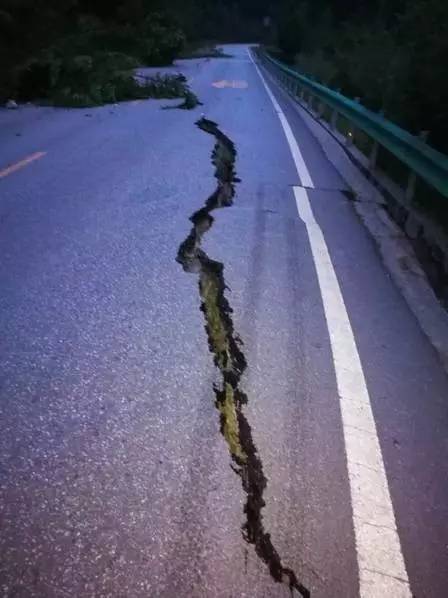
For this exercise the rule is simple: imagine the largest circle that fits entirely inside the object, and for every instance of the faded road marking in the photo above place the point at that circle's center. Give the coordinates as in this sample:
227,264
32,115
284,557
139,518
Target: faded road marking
232,84
382,570
18,165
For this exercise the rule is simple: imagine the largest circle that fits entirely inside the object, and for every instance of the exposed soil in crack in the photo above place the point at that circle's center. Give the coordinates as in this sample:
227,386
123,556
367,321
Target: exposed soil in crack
229,358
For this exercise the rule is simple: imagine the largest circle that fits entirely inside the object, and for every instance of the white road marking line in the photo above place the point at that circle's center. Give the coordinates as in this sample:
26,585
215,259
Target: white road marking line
305,177
382,570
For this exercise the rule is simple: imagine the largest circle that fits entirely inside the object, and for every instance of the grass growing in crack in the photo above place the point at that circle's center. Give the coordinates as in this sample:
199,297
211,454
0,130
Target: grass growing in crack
230,361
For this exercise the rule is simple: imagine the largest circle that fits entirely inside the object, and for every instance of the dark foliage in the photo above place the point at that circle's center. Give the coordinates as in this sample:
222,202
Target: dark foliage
390,53
83,51
78,53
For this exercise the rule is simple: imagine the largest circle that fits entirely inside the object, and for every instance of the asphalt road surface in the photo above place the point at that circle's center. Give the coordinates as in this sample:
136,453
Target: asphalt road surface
242,406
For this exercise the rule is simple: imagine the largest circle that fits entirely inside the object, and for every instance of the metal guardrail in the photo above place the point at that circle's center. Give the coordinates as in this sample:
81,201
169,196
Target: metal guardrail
422,160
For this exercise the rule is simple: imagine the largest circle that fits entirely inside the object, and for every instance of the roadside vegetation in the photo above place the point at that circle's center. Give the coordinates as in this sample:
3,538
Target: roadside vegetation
71,54
392,54
84,52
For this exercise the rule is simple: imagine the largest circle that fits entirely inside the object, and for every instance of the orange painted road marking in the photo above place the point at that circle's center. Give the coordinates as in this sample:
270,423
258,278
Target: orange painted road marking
18,165
233,84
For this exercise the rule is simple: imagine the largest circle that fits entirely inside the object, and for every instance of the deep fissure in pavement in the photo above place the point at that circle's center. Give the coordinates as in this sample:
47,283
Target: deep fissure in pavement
229,358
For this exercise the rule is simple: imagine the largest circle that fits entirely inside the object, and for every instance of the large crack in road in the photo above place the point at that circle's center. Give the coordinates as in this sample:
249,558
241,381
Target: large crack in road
229,358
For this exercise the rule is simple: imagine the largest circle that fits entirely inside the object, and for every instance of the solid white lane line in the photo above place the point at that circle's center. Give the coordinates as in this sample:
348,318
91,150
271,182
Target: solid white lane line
382,570
305,177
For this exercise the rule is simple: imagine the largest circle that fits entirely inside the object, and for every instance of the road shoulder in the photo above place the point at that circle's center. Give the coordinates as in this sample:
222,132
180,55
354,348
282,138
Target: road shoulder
395,250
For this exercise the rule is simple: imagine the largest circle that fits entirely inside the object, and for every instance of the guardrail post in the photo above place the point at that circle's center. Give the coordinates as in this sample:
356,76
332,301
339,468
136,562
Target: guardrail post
410,189
351,130
375,147
334,119
310,102
373,156
320,109
412,178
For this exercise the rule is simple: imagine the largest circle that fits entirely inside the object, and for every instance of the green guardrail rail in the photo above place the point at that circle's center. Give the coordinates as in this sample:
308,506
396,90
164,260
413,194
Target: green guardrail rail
423,160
